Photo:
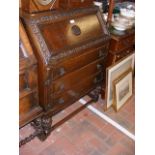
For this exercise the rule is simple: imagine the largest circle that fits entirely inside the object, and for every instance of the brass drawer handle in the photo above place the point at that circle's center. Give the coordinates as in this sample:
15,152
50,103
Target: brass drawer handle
128,51
73,93
118,56
102,53
61,101
62,86
99,66
96,80
62,71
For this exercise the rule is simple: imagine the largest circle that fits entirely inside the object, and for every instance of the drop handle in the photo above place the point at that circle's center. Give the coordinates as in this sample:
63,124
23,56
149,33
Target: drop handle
62,86
62,71
99,66
61,101
102,53
96,80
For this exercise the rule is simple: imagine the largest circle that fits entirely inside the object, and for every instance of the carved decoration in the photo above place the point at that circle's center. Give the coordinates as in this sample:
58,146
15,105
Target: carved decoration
44,49
42,126
95,94
57,16
76,50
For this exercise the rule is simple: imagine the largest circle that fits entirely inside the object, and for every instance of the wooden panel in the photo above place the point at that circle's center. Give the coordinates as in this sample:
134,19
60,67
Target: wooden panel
28,99
118,45
60,36
77,62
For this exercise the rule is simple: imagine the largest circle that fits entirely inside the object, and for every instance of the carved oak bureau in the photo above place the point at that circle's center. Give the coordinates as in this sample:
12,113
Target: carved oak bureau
71,48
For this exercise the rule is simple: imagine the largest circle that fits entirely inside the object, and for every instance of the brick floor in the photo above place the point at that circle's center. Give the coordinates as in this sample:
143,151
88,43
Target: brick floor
85,133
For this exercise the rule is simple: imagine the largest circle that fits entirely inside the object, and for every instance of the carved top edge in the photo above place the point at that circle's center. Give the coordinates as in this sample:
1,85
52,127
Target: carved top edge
49,16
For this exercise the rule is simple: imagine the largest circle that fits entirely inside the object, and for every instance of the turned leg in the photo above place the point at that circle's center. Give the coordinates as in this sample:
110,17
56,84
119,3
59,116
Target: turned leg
43,126
95,94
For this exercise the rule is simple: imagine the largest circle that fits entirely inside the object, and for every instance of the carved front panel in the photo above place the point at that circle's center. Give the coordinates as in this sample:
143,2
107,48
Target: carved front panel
71,32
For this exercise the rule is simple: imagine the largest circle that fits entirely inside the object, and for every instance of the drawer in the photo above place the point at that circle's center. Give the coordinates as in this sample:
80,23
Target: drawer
78,62
67,81
28,78
59,101
118,45
28,99
28,106
123,54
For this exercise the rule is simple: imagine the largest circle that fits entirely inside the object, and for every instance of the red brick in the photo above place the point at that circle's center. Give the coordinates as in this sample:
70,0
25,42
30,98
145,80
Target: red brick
98,144
119,150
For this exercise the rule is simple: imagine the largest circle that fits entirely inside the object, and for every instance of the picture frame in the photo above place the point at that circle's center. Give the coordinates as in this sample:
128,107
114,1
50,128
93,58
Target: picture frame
112,73
122,90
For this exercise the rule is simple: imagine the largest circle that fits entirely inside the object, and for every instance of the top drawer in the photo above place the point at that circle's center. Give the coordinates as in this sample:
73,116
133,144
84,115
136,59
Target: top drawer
119,45
79,61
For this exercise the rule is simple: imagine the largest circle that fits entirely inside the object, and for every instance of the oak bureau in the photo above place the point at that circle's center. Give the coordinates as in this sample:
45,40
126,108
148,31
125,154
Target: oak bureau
71,47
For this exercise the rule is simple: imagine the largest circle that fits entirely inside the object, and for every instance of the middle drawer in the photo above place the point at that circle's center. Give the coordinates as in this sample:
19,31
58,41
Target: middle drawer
79,61
66,82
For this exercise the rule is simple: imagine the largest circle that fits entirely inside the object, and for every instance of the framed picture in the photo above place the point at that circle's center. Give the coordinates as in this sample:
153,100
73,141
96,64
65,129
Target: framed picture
122,90
113,72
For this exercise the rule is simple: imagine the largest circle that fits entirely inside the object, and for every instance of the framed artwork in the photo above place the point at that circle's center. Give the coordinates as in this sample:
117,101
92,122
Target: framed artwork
113,72
122,90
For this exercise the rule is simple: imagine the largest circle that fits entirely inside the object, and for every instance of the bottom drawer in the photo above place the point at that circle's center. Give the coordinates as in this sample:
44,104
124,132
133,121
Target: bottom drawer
60,101
28,106
28,100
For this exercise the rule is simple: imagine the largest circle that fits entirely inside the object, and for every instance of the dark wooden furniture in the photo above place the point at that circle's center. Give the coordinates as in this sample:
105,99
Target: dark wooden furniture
121,44
70,4
29,107
71,48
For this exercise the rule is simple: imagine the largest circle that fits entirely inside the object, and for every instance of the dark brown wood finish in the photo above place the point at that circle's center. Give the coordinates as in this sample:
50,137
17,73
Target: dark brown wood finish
29,107
71,48
56,45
